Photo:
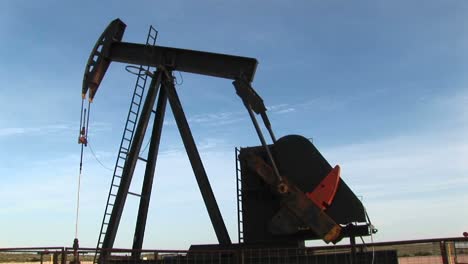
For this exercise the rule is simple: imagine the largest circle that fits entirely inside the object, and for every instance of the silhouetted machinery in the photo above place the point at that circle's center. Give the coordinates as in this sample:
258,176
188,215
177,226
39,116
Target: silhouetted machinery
311,201
289,192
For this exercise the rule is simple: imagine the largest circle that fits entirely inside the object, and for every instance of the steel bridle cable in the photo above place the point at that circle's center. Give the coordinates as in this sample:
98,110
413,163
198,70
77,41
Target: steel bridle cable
81,116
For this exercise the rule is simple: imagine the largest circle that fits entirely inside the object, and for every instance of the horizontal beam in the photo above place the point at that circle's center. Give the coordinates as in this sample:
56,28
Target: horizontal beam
198,62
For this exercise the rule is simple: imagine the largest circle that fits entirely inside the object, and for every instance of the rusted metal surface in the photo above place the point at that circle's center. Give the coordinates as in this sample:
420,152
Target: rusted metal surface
303,164
295,205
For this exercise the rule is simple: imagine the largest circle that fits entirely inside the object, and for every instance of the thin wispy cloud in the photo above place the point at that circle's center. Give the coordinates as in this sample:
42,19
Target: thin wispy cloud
10,131
401,167
227,118
51,129
17,131
281,108
400,178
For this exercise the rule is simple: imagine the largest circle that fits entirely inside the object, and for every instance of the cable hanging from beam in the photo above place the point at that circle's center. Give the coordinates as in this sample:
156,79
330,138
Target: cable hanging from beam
83,141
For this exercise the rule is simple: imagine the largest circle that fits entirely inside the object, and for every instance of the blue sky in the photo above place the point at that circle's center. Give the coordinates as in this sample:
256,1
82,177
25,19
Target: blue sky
380,86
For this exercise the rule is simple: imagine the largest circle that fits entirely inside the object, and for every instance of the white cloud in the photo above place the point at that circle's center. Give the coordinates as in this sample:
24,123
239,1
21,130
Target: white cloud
227,118
282,108
46,129
413,186
284,111
10,131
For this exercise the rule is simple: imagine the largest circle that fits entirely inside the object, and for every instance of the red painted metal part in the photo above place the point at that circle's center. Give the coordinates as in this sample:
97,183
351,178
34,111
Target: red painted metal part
324,193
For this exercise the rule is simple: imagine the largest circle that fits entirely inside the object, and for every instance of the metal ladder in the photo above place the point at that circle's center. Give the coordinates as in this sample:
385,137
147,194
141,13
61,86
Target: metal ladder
240,224
125,143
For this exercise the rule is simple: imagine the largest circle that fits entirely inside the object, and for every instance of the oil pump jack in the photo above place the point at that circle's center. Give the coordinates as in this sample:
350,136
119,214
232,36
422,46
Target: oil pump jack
288,191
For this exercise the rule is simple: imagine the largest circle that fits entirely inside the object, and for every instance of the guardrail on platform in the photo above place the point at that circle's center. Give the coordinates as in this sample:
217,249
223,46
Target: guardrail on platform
428,251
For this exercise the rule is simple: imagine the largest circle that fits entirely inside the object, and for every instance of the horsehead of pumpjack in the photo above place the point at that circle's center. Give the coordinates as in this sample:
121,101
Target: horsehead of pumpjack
289,191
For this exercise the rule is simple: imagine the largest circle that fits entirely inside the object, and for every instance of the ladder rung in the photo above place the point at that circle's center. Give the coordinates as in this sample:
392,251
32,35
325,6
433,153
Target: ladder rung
142,159
133,112
118,166
115,185
108,214
126,138
131,121
118,176
138,95
135,194
129,133
113,194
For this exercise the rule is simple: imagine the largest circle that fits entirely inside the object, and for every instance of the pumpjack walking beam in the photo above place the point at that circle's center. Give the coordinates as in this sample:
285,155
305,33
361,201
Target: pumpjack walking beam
110,48
240,69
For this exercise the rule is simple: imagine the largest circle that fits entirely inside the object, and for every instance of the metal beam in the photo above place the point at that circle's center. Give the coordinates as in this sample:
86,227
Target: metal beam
197,165
192,61
129,166
149,174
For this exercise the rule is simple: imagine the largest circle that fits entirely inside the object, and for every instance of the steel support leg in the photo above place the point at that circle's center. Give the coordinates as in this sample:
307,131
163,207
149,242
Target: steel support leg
352,242
129,166
197,165
149,174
